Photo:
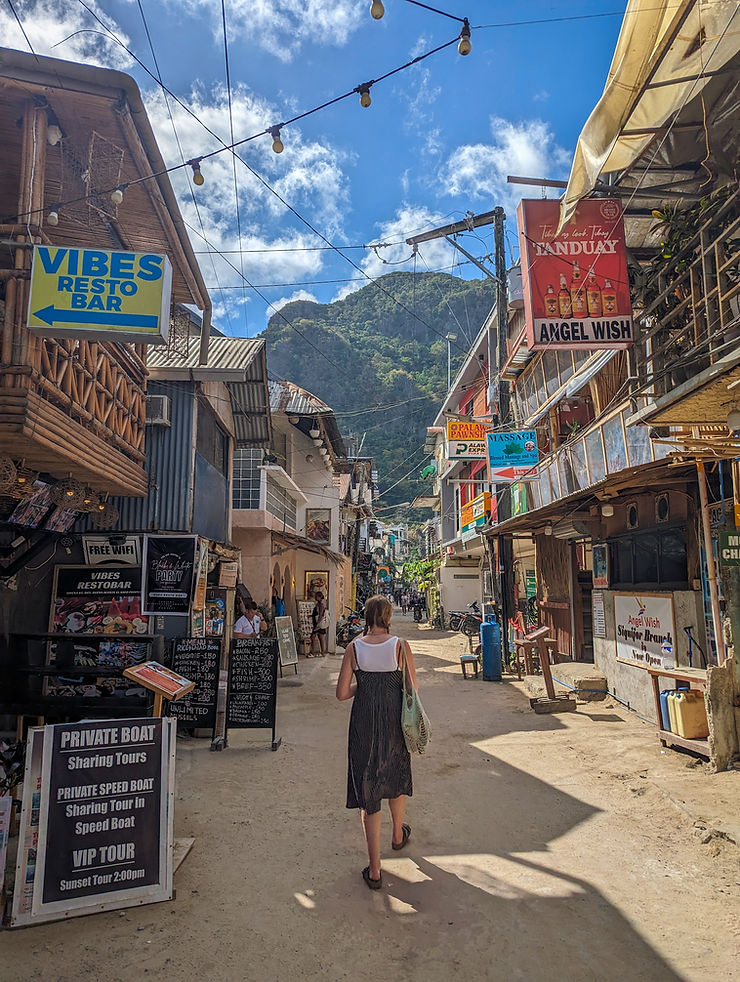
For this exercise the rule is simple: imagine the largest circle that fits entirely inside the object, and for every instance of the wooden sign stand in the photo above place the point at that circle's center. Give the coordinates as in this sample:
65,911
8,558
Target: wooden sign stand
162,681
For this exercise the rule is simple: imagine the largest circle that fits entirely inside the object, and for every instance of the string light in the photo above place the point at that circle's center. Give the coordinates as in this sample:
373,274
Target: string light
277,143
364,91
53,217
197,176
116,196
464,46
376,9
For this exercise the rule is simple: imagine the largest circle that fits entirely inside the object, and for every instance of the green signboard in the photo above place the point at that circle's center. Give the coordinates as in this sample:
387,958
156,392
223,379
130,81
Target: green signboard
729,548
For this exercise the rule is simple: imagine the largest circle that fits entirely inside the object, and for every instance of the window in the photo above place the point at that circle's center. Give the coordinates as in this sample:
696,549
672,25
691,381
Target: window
246,492
280,503
653,557
212,442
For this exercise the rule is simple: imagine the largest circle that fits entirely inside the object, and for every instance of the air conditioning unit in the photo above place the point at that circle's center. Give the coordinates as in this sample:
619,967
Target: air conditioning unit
158,410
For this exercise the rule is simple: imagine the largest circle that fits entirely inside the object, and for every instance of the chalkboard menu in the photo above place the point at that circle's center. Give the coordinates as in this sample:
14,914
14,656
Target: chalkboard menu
252,683
104,834
286,641
197,659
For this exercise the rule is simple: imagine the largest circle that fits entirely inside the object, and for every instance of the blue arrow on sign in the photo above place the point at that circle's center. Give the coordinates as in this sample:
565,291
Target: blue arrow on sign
52,315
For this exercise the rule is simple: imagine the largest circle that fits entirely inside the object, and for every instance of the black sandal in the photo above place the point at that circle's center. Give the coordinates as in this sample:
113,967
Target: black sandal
373,884
406,829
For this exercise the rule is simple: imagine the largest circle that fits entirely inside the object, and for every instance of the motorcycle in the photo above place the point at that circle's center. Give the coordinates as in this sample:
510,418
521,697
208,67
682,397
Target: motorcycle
468,621
348,628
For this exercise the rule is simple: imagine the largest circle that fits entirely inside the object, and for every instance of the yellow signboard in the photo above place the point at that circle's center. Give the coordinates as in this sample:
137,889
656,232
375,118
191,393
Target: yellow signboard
100,295
463,429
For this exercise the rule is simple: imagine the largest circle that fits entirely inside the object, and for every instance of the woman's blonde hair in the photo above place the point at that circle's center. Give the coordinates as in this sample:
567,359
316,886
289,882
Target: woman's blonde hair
378,612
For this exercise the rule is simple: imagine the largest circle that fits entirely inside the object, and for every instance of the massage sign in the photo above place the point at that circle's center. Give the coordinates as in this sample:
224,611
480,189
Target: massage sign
105,828
576,290
169,567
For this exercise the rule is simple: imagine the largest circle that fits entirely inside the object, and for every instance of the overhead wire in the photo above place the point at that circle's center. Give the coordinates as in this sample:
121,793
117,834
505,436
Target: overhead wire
179,144
233,159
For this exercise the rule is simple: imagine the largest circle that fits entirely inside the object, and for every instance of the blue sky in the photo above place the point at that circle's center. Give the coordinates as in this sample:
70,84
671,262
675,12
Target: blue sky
438,140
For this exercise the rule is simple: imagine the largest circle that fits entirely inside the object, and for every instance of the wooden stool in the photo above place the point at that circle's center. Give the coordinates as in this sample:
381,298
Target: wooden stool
472,660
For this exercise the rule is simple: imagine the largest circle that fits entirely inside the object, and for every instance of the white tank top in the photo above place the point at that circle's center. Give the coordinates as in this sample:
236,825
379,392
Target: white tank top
376,657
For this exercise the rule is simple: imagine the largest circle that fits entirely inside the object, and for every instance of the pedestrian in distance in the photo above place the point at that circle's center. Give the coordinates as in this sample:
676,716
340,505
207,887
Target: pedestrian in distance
249,624
378,763
320,619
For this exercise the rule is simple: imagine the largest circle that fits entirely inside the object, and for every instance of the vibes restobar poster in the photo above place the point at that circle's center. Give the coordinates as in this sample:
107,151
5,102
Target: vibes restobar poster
169,569
576,290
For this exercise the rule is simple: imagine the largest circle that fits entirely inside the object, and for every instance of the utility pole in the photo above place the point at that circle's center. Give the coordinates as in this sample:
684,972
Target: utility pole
499,396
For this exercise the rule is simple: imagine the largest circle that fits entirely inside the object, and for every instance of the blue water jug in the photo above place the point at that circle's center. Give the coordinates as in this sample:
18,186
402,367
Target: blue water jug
490,642
665,720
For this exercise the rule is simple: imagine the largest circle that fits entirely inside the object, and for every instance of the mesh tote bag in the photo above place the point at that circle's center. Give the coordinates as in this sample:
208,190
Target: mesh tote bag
417,730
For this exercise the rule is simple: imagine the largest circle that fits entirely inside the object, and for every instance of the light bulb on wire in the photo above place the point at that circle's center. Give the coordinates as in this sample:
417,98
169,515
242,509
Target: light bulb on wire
53,217
376,9
197,176
277,143
117,196
365,99
464,46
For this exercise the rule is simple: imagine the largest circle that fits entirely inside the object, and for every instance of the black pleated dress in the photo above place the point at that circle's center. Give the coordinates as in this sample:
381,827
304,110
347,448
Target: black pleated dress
379,765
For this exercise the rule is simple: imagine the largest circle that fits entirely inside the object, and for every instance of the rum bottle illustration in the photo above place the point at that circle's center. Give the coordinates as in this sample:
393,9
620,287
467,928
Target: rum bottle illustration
551,302
609,298
564,302
593,296
577,293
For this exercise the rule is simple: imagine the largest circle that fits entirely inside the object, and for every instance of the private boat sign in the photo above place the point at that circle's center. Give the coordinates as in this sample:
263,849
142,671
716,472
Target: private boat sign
100,295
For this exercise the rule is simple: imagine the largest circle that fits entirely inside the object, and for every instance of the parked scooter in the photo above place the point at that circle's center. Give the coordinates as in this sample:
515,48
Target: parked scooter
348,628
468,621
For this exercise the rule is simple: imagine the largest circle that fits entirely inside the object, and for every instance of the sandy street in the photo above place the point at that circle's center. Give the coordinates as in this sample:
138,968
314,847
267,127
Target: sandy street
543,848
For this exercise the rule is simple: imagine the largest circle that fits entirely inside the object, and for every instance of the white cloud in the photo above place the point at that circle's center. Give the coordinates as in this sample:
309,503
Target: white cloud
308,175
527,149
282,27
297,295
409,220
420,96
47,22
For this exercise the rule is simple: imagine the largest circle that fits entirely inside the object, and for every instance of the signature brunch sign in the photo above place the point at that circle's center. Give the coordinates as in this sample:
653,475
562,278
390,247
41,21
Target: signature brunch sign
644,629
576,291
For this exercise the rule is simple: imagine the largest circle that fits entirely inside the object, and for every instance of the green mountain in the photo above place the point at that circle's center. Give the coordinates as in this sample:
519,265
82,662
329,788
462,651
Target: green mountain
379,359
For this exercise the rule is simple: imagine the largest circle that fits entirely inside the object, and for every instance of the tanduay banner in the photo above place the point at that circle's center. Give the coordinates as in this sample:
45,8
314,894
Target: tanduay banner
576,290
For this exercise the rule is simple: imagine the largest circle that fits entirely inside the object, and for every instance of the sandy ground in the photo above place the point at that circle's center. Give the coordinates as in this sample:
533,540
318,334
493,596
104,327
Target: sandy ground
544,848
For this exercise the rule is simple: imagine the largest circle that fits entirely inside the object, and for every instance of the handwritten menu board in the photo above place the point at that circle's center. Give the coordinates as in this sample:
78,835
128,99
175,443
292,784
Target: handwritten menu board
252,683
286,641
197,659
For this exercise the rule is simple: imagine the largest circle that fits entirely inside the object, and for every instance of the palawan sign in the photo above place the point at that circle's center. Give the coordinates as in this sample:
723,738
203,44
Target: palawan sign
466,440
100,295
644,629
576,290
513,456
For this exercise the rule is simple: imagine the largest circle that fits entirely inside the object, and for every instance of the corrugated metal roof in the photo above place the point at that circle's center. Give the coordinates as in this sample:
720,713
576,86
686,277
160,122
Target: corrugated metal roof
287,397
240,363
291,399
224,354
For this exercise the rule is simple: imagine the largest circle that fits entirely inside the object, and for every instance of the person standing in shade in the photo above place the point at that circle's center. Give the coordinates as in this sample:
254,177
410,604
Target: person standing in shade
249,624
379,765
320,618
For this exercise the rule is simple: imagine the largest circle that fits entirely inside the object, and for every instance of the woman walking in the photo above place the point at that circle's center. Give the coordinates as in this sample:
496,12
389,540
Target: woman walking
379,765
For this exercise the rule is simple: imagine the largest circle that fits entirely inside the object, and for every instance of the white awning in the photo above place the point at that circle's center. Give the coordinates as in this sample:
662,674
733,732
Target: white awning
667,51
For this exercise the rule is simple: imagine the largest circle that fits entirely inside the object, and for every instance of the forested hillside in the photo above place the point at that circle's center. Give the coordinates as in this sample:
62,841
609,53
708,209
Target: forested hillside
379,359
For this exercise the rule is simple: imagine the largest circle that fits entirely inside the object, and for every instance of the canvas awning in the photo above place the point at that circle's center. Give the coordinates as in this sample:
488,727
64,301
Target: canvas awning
668,51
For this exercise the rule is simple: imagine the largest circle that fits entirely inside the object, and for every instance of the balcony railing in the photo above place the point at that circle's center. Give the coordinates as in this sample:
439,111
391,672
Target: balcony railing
691,314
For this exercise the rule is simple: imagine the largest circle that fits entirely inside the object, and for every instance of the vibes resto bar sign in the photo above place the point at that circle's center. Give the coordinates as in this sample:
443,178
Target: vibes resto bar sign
576,290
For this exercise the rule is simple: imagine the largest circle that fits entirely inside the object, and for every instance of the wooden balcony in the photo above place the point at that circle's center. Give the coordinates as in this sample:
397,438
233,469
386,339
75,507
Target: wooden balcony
687,353
75,407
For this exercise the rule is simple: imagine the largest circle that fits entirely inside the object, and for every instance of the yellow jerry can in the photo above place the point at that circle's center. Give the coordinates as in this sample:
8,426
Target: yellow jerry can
690,714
